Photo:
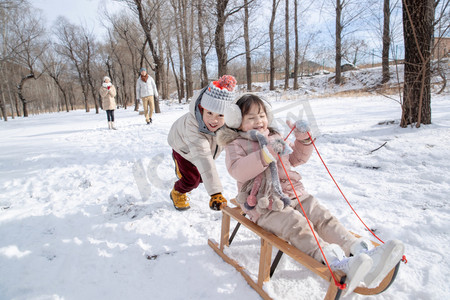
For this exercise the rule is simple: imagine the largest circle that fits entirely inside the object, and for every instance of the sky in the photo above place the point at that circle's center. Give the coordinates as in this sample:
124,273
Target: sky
78,12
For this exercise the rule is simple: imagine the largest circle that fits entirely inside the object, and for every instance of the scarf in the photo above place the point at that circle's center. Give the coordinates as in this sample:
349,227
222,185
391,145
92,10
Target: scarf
263,192
144,78
198,115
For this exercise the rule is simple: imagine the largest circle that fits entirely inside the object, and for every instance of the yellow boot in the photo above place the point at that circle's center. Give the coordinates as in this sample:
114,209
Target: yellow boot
180,201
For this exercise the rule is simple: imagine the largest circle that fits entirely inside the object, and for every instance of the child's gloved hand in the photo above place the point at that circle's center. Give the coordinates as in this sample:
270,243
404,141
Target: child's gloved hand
301,129
281,147
258,136
217,202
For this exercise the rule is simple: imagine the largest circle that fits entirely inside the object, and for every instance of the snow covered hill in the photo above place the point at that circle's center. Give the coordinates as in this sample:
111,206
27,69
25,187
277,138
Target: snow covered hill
74,225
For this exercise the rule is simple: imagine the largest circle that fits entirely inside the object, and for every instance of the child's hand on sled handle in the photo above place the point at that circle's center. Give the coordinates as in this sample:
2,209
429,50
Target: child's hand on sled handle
217,202
301,129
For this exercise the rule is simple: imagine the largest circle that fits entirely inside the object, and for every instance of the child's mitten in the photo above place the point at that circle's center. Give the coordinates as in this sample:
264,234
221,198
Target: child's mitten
301,129
281,147
217,202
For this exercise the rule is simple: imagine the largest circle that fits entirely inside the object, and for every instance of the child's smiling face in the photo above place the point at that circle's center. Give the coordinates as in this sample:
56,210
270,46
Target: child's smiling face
213,121
256,119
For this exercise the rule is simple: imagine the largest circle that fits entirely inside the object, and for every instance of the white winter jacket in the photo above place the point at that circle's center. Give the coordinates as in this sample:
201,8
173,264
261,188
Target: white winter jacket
198,147
145,89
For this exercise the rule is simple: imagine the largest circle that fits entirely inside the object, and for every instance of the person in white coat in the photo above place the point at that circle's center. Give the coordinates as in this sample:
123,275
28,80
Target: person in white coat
146,91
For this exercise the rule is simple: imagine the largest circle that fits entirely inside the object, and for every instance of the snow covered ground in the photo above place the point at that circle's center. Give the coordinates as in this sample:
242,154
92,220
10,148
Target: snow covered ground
74,224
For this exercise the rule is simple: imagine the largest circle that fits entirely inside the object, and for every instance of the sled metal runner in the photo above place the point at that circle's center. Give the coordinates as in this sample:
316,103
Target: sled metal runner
267,268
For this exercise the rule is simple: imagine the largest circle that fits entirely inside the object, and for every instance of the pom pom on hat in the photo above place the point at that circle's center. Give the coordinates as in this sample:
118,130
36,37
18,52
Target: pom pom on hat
219,94
226,82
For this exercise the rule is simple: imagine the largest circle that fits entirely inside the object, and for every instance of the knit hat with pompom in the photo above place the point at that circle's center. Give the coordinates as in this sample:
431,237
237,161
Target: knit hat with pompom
219,94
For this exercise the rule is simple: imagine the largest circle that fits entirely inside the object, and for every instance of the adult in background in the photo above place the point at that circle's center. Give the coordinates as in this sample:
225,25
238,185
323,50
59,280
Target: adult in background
108,94
146,91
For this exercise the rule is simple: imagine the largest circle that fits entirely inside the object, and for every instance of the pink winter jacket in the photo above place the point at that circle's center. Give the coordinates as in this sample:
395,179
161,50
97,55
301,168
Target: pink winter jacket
244,161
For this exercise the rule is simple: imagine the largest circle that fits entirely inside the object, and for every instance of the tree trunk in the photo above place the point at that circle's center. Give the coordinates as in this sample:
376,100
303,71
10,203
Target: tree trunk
417,32
272,44
147,27
58,84
141,63
201,39
124,88
386,42
21,97
163,92
181,58
93,90
181,83
337,78
296,45
83,87
248,57
10,100
180,95
3,107
219,37
286,32
186,48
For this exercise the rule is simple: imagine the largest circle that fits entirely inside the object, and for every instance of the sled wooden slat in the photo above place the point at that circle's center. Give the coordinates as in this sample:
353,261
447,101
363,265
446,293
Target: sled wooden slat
240,269
267,241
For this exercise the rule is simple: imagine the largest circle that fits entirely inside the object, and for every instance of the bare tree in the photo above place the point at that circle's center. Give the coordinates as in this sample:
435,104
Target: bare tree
338,41
297,40
248,57
347,12
286,41
70,45
296,45
178,35
441,27
417,27
56,68
201,39
186,22
30,34
386,41
354,50
128,30
9,10
89,52
275,4
146,12
222,14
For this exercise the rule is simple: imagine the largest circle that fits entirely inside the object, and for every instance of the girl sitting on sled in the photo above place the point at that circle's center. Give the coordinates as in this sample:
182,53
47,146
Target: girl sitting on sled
265,194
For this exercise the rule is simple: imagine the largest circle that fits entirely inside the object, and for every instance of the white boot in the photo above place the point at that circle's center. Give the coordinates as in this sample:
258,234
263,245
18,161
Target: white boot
109,124
356,267
361,245
112,126
384,257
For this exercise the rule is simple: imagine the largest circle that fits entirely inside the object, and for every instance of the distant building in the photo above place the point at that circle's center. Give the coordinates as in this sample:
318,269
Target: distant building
441,47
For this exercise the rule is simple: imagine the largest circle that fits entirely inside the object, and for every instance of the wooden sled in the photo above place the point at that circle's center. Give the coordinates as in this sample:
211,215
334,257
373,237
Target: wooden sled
266,268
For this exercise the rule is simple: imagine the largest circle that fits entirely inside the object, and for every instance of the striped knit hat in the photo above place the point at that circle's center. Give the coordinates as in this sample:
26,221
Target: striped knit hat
219,94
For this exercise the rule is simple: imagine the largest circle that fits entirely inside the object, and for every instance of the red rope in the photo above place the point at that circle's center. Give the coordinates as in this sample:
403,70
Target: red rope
338,284
337,185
